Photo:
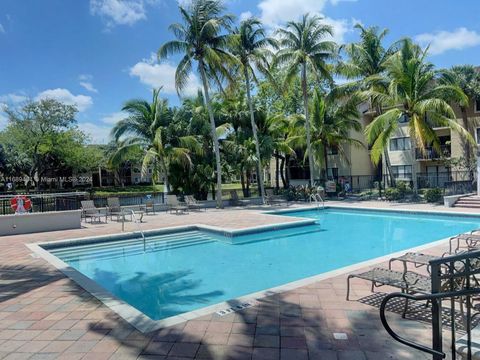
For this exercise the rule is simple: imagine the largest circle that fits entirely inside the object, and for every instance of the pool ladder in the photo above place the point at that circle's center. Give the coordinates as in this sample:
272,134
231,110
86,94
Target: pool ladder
140,230
317,199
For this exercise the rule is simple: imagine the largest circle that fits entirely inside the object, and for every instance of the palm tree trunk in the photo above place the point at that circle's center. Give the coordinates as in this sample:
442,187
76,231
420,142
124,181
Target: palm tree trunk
255,137
307,121
213,129
282,173
413,143
388,164
277,171
325,155
467,147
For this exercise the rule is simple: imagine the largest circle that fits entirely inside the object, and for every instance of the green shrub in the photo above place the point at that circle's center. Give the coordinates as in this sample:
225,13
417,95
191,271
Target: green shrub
393,194
433,195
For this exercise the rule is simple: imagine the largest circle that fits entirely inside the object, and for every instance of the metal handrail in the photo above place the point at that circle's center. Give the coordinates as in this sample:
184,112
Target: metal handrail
430,297
134,217
316,197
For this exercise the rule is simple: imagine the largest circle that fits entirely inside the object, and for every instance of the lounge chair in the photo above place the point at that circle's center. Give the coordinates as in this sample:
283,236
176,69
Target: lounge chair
89,210
149,206
115,209
193,203
235,201
175,205
272,199
471,241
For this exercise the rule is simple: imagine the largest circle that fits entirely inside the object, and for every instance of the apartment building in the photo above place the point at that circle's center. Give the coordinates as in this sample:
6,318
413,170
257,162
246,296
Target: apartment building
434,169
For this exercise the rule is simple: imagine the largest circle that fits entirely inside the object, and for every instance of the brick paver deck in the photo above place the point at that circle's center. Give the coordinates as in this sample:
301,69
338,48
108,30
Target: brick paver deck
44,315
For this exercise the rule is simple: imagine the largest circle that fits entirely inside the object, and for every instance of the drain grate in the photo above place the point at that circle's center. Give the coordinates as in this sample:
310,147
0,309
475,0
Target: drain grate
235,308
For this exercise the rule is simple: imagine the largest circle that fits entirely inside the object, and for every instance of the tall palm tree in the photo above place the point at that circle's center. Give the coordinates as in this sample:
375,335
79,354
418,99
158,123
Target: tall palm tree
200,39
331,123
249,45
414,92
304,48
366,64
144,129
467,77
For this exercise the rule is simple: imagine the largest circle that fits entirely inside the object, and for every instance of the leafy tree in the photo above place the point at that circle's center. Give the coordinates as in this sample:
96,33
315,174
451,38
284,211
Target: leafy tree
42,136
467,78
366,65
331,123
145,129
303,48
249,45
413,92
200,40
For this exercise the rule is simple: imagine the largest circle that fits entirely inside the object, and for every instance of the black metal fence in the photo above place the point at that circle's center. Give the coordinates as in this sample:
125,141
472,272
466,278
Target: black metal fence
46,202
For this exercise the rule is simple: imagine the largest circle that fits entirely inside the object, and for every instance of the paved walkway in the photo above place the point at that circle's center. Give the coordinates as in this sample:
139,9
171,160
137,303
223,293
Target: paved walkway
44,315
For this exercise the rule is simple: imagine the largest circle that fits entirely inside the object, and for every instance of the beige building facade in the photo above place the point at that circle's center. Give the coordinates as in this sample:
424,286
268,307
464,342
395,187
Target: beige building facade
433,168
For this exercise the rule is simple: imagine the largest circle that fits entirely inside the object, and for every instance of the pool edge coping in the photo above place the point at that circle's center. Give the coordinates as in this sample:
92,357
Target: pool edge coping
145,324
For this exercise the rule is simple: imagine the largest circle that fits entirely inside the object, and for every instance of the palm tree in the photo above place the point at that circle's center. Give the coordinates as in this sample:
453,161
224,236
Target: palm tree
414,93
467,77
144,129
249,45
332,121
366,64
200,40
303,48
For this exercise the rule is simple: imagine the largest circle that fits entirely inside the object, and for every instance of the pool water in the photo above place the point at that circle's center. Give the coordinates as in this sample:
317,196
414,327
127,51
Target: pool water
184,271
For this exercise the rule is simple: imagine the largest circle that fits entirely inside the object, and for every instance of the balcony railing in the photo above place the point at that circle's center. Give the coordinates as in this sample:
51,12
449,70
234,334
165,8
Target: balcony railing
430,153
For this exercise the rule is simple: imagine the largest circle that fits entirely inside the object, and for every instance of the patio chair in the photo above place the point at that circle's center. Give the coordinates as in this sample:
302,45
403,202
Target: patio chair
149,206
235,201
89,210
193,203
272,199
115,209
175,205
407,281
471,240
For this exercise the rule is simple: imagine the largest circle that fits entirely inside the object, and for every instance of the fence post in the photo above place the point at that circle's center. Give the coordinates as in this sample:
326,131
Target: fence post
436,311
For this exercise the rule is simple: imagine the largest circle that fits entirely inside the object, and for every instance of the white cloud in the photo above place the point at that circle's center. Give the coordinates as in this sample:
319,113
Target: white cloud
119,12
274,13
86,82
115,117
245,15
99,134
13,98
2,29
88,86
156,75
82,102
442,41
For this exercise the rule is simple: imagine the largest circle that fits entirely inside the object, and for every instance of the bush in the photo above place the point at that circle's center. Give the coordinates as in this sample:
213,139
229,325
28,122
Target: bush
433,195
393,194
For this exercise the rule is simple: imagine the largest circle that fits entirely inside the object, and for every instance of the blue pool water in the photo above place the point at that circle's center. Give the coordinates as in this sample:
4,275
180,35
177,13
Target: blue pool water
185,271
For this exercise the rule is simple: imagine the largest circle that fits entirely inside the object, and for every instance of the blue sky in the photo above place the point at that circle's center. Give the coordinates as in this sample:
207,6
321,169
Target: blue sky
98,53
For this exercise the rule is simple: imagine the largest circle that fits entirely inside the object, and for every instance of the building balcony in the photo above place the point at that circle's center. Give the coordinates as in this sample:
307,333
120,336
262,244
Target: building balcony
432,154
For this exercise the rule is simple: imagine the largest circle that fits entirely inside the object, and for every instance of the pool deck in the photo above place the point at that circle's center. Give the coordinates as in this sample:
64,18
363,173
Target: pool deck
45,315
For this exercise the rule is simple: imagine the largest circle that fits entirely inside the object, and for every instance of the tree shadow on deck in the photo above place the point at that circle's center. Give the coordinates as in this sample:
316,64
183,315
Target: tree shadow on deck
16,280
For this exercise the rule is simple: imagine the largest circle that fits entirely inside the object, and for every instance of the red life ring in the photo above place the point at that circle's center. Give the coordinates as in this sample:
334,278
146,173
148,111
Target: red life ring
25,201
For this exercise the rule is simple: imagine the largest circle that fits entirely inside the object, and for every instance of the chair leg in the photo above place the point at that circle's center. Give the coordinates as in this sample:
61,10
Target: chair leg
405,308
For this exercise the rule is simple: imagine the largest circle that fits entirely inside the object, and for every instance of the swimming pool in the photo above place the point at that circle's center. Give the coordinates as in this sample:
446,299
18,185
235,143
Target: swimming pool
183,271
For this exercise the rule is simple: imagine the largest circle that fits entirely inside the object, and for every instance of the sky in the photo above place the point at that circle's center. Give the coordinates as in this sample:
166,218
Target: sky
96,54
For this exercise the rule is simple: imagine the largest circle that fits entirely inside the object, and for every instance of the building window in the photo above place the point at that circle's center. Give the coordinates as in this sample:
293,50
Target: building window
402,172
400,144
477,106
403,119
477,135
